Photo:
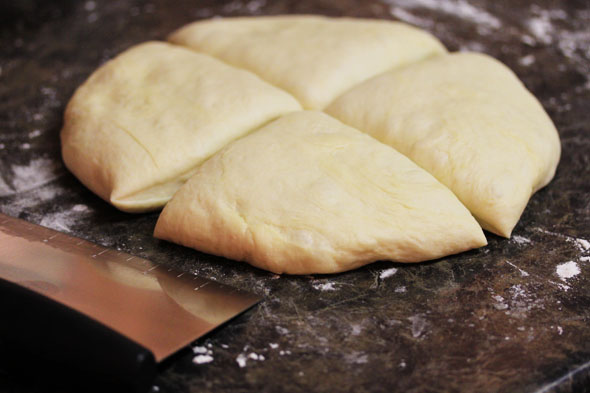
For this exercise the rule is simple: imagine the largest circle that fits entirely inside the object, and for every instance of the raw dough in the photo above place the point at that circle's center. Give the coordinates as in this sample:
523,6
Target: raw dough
467,120
136,129
307,194
314,58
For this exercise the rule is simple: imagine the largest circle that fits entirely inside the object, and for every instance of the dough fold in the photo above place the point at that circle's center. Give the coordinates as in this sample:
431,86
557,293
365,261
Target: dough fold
314,58
469,121
307,194
137,128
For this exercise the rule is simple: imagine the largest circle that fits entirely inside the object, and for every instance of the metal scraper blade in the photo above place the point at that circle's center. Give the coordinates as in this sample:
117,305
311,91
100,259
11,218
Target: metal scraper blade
157,307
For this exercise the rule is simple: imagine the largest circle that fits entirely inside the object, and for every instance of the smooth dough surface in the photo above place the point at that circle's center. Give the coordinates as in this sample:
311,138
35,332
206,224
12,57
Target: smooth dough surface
314,58
307,194
467,120
136,129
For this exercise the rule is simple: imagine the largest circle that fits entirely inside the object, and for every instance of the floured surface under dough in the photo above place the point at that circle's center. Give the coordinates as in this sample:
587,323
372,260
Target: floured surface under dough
312,57
467,120
307,194
136,129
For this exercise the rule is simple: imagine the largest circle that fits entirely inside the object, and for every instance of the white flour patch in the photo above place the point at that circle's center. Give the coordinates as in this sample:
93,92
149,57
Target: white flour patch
559,330
241,360
520,240
526,61
202,359
65,220
5,189
34,134
567,270
401,289
405,16
31,200
90,6
522,272
419,325
584,259
202,350
80,208
583,244
387,273
499,305
572,42
356,357
273,345
255,356
281,330
327,286
459,8
356,330
38,172
541,28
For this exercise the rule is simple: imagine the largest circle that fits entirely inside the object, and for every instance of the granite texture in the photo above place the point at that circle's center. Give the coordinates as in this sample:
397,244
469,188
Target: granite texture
497,319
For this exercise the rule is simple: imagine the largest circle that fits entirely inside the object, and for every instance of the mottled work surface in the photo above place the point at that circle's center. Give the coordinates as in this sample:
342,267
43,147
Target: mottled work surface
511,317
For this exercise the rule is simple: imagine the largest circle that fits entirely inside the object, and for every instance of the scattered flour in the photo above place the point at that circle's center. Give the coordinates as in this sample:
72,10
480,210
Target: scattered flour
418,325
459,8
405,16
38,172
34,134
499,305
387,273
241,360
281,330
583,244
202,359
273,345
201,350
567,270
356,330
65,220
328,286
252,6
90,6
526,61
546,27
356,357
520,239
559,330
522,272
401,289
255,356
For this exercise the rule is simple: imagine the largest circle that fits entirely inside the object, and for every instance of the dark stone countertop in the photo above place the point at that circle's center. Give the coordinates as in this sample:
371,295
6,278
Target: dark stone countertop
497,319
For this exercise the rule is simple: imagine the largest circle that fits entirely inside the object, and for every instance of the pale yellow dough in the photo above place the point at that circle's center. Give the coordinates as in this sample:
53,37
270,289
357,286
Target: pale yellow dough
314,58
137,128
307,194
467,120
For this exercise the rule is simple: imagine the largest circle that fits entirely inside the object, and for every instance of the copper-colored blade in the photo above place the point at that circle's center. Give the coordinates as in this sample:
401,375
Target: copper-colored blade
159,308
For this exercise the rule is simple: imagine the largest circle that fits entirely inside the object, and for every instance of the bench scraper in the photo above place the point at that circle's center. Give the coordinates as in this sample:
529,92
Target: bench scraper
87,308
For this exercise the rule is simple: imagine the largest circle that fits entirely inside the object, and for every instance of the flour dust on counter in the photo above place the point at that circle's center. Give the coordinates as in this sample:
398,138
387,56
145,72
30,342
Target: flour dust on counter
567,270
485,21
23,178
324,286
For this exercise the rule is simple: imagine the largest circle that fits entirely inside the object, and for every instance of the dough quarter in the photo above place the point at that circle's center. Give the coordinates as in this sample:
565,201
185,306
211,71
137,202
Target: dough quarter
307,194
137,128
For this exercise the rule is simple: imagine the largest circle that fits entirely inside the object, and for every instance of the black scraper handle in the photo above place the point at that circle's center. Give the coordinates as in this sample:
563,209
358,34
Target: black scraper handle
38,334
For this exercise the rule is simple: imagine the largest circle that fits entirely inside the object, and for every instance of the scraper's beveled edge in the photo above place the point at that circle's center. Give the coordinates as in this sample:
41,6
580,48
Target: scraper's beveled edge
252,300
